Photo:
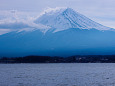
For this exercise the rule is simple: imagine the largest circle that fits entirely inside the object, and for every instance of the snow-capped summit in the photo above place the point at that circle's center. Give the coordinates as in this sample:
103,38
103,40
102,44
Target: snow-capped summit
64,18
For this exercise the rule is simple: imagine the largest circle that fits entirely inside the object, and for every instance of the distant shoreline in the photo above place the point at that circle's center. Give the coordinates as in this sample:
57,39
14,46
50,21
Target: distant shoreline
71,59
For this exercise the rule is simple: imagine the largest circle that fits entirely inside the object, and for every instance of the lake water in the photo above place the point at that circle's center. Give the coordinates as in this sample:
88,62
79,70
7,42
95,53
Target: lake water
58,74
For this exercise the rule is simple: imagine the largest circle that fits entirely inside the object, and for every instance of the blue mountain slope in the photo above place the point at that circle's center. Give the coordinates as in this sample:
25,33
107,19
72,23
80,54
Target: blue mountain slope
77,41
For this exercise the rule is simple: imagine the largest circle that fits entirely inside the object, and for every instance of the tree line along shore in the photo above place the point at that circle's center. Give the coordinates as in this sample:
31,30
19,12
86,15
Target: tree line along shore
55,59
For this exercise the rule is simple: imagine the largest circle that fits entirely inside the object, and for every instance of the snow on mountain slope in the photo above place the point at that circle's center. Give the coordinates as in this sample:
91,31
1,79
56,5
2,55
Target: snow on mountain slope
58,19
65,18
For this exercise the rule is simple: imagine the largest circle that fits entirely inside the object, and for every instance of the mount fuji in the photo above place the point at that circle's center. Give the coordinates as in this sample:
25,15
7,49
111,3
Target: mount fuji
58,32
65,18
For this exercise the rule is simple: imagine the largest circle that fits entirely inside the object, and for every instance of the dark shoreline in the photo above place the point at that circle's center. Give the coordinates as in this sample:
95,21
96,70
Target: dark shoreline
71,59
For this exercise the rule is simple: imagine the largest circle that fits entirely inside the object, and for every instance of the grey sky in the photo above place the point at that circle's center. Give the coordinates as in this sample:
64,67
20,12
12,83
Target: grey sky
102,11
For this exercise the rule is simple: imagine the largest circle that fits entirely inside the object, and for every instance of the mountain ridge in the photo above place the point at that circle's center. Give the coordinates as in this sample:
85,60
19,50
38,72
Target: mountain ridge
61,38
67,18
